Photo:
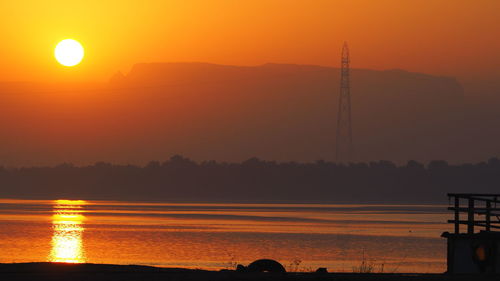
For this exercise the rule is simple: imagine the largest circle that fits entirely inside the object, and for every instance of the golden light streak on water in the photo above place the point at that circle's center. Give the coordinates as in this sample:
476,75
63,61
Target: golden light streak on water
67,224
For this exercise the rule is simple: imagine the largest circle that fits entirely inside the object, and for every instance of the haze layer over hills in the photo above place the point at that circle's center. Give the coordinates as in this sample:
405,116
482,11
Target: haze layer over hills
232,113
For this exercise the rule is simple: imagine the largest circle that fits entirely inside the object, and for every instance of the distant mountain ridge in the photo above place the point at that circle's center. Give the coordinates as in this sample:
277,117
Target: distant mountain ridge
304,99
277,112
192,71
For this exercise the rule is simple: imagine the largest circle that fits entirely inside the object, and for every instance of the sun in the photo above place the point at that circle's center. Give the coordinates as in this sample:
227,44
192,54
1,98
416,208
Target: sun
69,52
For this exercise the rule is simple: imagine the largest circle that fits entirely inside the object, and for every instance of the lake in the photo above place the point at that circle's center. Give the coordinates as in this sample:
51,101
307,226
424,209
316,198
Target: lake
341,237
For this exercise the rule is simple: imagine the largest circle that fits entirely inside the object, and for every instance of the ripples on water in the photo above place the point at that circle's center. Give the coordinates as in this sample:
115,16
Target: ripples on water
392,238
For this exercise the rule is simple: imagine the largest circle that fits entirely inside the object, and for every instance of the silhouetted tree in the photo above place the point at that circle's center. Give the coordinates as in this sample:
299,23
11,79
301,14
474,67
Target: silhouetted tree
253,180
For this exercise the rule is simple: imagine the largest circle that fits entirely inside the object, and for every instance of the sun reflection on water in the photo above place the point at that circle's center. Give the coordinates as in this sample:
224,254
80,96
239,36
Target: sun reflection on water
67,223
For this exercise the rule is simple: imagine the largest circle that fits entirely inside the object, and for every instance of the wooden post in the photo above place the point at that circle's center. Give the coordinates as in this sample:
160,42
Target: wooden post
488,215
457,215
470,217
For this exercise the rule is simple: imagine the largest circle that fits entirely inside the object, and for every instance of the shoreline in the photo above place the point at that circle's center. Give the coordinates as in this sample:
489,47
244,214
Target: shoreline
110,272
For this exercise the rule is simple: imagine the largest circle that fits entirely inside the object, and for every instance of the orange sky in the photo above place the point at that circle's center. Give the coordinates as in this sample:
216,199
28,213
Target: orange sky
446,37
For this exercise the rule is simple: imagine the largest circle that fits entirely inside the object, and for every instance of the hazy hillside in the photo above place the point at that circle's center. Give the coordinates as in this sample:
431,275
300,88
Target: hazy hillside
288,112
205,111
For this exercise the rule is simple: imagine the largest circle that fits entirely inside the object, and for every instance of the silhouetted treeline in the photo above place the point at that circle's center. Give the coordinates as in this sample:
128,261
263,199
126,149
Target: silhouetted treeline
253,180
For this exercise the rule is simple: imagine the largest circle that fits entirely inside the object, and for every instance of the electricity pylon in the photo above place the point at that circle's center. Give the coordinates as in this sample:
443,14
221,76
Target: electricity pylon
343,147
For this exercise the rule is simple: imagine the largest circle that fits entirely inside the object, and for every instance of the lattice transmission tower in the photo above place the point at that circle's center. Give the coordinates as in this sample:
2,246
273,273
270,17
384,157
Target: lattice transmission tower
344,149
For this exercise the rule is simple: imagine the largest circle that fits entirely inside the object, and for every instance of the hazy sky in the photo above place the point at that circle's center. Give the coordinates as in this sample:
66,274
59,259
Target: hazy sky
446,37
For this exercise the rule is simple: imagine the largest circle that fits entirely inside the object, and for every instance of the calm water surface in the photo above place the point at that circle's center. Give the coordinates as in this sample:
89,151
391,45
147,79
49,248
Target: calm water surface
391,238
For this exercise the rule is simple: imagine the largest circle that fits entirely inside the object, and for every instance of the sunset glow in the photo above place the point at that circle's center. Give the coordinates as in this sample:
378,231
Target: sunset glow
222,140
259,32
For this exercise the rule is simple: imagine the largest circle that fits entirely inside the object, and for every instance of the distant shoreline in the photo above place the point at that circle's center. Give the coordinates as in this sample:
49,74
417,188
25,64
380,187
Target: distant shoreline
443,203
180,179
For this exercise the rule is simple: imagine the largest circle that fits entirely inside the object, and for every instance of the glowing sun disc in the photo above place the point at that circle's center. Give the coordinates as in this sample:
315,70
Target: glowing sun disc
69,52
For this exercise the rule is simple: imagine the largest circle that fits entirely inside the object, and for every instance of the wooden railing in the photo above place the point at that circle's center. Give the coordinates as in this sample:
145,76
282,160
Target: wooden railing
477,204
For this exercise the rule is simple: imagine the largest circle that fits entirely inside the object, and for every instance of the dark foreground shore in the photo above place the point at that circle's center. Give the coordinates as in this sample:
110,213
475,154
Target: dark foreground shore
97,272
